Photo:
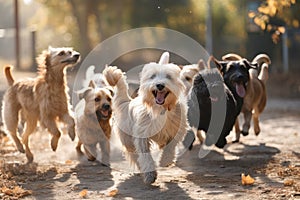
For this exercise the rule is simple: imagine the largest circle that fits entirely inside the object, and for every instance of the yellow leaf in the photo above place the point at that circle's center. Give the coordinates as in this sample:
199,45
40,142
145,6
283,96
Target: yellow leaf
247,180
83,193
68,162
251,14
281,29
288,182
112,193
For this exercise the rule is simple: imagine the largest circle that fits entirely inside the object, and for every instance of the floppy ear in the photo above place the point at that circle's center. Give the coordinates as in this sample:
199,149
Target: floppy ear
221,65
82,94
253,65
164,58
92,84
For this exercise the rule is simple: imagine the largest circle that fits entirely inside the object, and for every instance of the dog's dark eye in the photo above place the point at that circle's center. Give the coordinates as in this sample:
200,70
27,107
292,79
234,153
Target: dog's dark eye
188,78
61,53
153,76
109,99
168,77
97,99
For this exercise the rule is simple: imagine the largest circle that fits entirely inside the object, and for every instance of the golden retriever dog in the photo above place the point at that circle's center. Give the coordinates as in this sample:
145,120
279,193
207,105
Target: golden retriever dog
256,97
158,114
93,124
43,99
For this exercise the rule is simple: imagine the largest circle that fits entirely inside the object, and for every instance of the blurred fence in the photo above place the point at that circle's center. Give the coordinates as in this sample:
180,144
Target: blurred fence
27,48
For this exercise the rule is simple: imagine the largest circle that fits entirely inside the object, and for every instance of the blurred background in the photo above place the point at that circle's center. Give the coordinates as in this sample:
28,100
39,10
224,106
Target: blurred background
246,27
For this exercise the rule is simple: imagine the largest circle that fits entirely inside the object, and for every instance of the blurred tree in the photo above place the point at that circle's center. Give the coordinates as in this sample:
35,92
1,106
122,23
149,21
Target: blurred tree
276,15
86,23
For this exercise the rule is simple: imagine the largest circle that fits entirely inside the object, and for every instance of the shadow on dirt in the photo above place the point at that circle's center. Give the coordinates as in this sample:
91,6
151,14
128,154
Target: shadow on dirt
222,169
93,176
156,192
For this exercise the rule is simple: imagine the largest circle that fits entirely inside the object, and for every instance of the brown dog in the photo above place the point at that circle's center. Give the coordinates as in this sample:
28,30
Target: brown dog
43,99
93,123
256,97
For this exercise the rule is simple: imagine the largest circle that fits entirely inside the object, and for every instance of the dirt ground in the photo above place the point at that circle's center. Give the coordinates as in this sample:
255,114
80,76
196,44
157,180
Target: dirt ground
272,159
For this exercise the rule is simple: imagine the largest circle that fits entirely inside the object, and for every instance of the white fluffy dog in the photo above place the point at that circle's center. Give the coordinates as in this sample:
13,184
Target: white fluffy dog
157,114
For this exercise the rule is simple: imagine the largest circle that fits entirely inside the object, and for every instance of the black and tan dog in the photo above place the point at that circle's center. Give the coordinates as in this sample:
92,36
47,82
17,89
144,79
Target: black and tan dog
256,97
215,103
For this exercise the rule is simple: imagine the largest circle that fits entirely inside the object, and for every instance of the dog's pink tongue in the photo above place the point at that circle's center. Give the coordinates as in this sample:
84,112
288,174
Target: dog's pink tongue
104,112
160,98
240,90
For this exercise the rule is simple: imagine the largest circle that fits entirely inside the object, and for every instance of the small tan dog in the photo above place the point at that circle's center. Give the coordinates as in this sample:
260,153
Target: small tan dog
158,114
256,97
43,99
93,124
188,74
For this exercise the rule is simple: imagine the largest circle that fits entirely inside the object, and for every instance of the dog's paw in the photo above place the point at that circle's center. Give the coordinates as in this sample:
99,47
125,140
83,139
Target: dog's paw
71,133
29,157
236,141
245,133
91,158
150,177
112,75
54,142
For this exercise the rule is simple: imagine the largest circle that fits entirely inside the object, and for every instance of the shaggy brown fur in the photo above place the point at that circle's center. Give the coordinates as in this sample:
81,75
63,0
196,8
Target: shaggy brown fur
256,98
43,99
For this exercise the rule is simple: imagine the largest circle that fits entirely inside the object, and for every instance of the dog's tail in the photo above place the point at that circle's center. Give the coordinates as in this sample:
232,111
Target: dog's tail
262,58
9,78
231,57
264,73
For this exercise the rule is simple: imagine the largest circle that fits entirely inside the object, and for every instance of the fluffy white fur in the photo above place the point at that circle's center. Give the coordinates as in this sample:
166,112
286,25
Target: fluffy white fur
153,116
90,75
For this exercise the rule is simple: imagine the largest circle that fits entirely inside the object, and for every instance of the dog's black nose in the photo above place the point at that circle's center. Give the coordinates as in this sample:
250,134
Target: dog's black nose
105,106
76,55
160,87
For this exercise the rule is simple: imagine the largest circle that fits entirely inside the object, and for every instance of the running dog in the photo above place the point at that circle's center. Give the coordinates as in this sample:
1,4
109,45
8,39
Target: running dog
43,99
212,107
93,124
256,96
157,114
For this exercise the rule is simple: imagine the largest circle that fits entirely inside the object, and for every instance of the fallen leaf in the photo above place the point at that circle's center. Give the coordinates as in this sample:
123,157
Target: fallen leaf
68,162
288,182
83,193
247,180
113,193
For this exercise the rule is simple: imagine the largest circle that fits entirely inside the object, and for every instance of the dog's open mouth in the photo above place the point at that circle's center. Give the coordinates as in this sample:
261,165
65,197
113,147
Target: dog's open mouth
160,96
240,89
102,114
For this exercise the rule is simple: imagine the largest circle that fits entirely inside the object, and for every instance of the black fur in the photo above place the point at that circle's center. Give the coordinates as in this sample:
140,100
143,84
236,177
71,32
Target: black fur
209,91
236,72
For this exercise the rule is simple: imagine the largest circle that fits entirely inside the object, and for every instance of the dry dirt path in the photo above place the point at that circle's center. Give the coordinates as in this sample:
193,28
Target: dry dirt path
272,159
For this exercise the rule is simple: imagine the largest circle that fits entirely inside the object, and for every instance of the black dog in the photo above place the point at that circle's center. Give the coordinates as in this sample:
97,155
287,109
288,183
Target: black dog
211,98
236,77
